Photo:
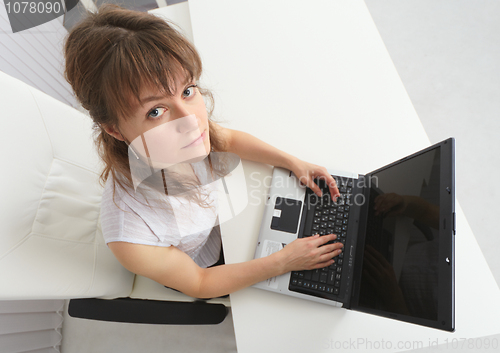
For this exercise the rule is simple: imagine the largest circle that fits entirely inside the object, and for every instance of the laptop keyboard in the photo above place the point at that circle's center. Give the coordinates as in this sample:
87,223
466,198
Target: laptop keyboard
325,217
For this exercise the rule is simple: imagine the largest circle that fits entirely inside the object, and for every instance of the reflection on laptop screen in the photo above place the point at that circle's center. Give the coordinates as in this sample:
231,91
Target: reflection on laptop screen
400,262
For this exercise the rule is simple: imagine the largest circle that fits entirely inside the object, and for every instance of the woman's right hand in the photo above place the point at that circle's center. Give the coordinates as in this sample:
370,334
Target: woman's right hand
175,269
309,253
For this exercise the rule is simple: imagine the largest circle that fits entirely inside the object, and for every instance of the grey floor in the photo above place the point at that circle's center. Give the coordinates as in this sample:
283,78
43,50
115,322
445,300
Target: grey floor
447,54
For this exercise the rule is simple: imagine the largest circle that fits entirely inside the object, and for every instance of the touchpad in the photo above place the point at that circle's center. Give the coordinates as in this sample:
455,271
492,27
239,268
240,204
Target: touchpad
286,215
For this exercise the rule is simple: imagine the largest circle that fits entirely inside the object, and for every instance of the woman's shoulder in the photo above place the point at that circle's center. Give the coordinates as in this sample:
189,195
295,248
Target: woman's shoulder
120,201
112,202
124,217
116,190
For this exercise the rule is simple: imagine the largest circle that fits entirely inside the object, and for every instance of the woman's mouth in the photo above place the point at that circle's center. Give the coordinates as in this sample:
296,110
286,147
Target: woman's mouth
197,141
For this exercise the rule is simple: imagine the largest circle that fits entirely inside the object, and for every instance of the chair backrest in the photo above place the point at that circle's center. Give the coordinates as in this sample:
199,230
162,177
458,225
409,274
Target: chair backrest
51,245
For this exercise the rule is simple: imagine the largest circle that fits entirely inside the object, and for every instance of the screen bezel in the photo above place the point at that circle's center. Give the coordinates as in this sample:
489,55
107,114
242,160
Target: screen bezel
446,288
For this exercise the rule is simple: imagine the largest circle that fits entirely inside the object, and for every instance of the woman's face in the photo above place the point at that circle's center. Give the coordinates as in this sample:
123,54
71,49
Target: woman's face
169,130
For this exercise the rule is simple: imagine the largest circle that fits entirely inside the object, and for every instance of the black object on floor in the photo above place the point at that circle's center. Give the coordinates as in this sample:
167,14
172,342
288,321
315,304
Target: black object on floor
141,311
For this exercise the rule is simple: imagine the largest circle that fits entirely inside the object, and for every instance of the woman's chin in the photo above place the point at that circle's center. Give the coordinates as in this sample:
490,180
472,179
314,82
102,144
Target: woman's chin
198,159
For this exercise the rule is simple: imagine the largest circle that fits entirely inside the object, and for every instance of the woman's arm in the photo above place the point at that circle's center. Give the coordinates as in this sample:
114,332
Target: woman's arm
251,148
173,268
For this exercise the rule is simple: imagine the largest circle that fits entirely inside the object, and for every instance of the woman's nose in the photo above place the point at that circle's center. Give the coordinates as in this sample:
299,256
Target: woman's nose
180,109
185,116
186,124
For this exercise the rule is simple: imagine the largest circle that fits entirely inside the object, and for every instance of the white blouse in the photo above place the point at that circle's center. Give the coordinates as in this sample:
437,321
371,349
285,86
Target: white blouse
178,222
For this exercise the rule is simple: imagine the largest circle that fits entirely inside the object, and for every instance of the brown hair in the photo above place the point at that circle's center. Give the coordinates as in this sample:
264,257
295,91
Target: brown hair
116,47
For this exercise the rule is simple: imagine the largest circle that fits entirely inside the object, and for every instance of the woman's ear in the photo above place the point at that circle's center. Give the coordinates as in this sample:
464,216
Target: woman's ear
113,131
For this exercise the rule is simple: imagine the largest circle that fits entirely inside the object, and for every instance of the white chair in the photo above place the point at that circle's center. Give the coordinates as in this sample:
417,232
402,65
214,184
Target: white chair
51,245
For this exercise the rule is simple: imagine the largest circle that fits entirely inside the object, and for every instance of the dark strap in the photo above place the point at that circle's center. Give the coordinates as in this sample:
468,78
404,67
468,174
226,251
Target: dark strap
142,311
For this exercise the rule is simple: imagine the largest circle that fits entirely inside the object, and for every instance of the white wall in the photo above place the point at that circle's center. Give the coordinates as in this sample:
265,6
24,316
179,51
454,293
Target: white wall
35,56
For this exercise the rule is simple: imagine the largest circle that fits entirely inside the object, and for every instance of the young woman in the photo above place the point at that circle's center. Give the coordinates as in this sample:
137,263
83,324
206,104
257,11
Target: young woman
137,77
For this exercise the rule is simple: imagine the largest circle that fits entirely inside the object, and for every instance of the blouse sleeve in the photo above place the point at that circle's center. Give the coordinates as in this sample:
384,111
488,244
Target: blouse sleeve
121,223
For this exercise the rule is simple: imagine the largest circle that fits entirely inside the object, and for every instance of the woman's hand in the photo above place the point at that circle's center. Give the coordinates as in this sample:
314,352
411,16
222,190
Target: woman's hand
309,253
306,172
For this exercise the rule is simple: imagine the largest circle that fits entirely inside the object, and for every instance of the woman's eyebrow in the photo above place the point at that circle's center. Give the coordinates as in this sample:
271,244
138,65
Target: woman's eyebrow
154,98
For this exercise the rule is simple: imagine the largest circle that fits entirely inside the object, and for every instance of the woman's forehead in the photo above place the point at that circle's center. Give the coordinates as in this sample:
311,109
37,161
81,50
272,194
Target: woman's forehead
175,83
137,92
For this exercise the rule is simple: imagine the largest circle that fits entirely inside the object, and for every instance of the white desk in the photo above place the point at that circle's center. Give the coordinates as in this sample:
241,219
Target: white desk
283,71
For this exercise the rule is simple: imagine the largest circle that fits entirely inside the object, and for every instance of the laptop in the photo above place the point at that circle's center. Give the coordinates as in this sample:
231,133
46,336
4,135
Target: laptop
397,225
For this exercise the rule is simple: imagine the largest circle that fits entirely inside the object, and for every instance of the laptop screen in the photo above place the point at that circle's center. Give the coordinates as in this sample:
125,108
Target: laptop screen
403,254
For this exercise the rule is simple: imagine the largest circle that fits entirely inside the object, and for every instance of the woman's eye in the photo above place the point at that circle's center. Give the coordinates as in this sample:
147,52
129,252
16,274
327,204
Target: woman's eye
154,113
188,92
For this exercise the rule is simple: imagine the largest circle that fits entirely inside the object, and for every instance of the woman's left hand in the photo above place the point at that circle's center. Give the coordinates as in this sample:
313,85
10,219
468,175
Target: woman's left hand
306,172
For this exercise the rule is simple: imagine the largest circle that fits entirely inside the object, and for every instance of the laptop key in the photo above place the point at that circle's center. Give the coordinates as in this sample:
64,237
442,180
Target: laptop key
313,198
323,277
331,277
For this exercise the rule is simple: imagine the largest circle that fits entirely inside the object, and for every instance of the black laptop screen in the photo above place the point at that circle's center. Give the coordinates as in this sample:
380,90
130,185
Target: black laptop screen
400,272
